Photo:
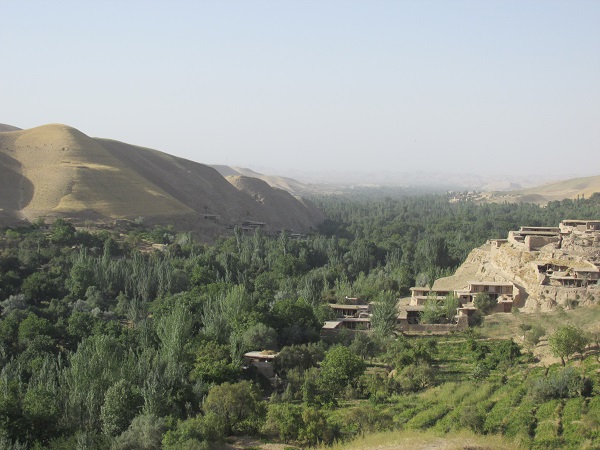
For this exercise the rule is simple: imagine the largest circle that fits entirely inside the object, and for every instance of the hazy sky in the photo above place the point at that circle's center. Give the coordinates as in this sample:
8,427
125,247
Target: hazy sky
366,85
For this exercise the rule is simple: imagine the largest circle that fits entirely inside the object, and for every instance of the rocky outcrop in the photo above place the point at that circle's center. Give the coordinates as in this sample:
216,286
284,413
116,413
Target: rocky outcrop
563,272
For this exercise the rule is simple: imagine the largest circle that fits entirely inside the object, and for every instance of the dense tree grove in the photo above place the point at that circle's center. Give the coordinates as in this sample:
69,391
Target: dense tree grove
106,342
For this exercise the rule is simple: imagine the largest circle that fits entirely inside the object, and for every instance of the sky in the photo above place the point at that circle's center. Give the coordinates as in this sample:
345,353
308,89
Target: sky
316,85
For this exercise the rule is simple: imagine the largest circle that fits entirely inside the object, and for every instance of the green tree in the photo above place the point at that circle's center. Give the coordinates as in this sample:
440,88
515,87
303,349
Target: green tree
340,368
484,303
33,326
449,307
213,364
41,411
62,233
237,406
144,433
433,312
316,428
40,286
402,352
300,357
385,314
364,346
295,322
259,337
121,405
284,420
11,415
566,341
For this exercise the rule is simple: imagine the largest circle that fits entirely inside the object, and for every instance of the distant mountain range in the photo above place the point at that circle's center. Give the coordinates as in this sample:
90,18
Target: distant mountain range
58,171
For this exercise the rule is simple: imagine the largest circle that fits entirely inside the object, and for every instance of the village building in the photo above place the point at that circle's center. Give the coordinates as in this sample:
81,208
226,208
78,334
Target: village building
351,311
533,238
353,314
419,295
574,248
508,291
262,361
579,226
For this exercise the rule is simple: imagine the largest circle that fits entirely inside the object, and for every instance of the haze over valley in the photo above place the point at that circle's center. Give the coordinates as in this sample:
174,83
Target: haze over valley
282,225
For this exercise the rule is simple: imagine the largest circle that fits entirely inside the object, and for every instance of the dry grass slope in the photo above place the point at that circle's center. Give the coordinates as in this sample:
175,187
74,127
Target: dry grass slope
68,172
294,187
567,189
4,127
55,170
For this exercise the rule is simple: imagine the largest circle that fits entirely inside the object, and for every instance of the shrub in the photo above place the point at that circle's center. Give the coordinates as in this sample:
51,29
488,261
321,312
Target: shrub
533,336
563,384
473,418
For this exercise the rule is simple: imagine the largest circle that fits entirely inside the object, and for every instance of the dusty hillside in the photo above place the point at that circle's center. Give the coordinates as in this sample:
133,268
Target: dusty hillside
56,170
62,171
279,202
4,127
294,187
567,189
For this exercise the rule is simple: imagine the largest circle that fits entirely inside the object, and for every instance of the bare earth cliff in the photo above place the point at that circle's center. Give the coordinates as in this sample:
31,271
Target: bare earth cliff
549,266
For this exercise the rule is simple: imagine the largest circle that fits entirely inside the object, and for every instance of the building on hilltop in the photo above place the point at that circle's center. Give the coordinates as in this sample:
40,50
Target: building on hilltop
579,226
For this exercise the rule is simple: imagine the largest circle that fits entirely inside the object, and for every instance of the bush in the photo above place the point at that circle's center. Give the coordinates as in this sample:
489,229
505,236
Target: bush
473,418
283,420
417,377
534,334
566,383
484,303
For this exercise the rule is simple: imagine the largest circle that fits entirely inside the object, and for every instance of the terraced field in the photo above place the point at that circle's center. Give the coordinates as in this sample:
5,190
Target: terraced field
498,411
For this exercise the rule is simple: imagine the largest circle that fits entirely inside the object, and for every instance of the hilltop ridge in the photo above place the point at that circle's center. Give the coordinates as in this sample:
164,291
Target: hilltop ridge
57,171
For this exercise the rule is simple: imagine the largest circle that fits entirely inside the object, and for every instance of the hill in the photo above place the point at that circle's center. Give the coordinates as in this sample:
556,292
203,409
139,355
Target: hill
4,127
279,201
566,189
58,171
291,185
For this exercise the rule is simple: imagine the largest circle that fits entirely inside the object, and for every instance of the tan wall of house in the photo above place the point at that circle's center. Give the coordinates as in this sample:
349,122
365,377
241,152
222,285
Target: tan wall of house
536,242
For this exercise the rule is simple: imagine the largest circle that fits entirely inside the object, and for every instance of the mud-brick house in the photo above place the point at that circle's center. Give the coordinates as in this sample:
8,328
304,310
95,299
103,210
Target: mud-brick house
353,314
262,360
419,295
568,273
534,238
348,323
350,311
506,293
580,226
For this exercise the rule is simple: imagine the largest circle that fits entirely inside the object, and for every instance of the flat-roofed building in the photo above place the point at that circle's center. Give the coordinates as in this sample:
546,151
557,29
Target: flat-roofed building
419,295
